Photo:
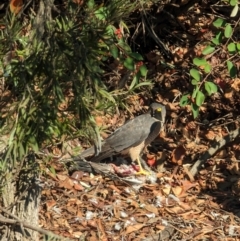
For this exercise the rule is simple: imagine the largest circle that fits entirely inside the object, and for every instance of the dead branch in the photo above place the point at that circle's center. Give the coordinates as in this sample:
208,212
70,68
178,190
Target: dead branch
213,149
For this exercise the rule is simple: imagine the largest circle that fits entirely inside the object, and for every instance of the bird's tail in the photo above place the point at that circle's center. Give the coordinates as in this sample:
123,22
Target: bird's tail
88,152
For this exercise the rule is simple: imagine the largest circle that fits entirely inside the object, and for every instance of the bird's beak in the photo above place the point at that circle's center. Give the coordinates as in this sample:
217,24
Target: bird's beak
159,109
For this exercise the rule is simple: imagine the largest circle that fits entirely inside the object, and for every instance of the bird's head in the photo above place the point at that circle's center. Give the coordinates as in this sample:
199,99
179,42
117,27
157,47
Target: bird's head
158,111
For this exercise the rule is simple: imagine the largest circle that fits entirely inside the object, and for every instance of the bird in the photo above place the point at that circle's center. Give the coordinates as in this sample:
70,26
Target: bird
131,138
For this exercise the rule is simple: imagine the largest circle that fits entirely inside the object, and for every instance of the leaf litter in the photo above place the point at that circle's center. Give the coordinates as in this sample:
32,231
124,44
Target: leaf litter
177,205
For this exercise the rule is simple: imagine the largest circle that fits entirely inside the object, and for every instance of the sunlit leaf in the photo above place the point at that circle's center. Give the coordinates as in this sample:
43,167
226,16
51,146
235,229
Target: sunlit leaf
208,50
199,61
210,87
233,2
234,11
194,82
219,22
207,68
102,13
215,41
143,70
195,74
228,31
238,46
200,98
145,83
134,82
195,91
231,48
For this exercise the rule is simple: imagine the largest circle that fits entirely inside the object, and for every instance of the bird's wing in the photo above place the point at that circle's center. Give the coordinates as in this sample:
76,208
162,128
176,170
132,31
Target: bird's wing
133,133
141,129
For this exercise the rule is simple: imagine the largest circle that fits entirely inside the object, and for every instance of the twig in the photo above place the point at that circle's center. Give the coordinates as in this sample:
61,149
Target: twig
21,223
212,150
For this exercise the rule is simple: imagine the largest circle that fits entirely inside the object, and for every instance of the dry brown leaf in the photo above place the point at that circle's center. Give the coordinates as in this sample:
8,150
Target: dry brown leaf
133,228
236,84
167,190
151,209
178,154
67,183
50,204
177,190
228,93
174,210
61,177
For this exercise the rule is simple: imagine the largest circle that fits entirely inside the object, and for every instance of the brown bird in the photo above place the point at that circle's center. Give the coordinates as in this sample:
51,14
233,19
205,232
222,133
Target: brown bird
131,138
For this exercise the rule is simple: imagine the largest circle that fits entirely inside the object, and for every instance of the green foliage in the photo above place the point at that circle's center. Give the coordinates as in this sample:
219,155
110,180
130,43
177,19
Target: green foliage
54,73
222,41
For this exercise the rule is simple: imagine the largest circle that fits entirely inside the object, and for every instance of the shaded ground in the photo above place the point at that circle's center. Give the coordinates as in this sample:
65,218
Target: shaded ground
178,206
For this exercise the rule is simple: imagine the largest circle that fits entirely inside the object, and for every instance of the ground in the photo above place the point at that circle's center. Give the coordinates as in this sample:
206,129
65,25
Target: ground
179,205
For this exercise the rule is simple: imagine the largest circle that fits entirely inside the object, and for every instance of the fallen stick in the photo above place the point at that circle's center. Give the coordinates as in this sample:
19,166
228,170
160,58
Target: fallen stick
217,145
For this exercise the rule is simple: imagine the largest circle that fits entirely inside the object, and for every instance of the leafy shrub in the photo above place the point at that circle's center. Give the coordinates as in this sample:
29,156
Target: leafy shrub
202,79
53,71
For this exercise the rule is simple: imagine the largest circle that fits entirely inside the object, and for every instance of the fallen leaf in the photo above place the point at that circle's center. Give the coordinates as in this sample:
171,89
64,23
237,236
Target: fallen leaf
67,183
178,154
151,209
133,228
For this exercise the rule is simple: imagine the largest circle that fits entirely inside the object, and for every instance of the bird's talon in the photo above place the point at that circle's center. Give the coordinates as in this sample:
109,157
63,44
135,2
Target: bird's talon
143,172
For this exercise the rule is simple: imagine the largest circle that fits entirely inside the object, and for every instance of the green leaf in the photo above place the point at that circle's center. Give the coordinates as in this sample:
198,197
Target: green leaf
114,51
234,11
195,91
218,39
129,63
200,98
215,41
136,56
238,46
195,110
134,82
231,69
233,2
124,46
231,48
147,83
194,82
207,68
195,74
102,13
210,87
228,31
143,70
219,23
208,50
52,170
199,61
184,100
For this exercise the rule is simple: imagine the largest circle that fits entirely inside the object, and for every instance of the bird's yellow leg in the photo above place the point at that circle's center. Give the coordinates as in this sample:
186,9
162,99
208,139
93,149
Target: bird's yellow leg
141,171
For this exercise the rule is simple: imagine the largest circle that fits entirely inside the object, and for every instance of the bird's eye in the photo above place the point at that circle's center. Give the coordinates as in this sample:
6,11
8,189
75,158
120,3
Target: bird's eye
159,109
